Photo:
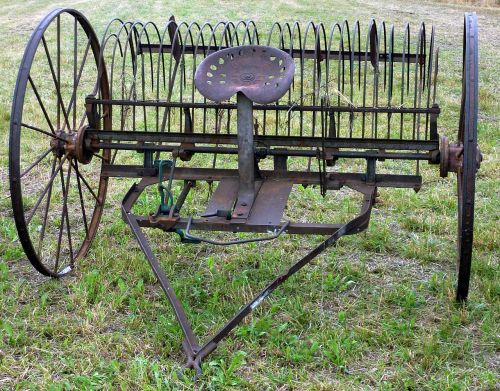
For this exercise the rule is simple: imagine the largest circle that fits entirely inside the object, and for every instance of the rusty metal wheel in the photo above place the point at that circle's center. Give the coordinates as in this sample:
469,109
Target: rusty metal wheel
57,195
466,171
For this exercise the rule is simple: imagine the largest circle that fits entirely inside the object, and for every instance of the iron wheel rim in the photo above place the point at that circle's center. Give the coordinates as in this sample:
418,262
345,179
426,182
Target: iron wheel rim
467,136
22,217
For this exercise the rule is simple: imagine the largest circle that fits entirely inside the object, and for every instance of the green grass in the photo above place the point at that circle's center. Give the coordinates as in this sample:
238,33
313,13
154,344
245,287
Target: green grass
374,312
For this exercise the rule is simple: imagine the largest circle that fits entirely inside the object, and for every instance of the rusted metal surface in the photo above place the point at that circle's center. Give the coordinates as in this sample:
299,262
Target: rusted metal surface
193,351
262,73
246,157
452,157
270,202
305,97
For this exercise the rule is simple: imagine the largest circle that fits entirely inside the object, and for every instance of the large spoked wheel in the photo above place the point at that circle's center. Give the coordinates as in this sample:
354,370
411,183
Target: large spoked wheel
56,186
466,172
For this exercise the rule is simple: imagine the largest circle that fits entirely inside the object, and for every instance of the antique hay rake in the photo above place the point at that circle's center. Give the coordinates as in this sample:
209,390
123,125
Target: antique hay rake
254,110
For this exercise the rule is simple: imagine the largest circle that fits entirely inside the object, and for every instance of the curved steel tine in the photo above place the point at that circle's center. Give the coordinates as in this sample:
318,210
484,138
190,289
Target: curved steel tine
194,45
218,114
417,93
299,49
357,28
189,34
382,28
335,26
132,93
211,39
310,25
108,27
408,64
391,79
171,28
356,33
126,95
278,120
161,61
406,44
280,43
254,40
314,77
180,62
245,32
200,40
287,29
102,70
151,73
429,79
227,35
345,30
118,43
280,37
175,42
435,77
316,92
101,65
140,49
365,72
230,34
376,77
236,32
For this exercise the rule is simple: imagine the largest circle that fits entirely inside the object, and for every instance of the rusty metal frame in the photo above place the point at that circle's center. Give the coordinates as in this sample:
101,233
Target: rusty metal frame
324,129
195,352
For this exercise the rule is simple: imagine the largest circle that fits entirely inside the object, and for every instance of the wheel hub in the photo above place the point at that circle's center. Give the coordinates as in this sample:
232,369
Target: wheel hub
451,157
73,145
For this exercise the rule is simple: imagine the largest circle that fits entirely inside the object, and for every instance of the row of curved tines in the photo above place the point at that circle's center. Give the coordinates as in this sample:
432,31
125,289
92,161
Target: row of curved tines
340,67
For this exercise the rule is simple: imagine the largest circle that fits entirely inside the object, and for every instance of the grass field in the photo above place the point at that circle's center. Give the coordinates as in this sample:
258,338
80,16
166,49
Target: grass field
375,312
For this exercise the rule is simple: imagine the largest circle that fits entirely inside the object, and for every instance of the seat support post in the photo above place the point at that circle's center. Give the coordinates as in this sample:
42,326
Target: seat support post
246,157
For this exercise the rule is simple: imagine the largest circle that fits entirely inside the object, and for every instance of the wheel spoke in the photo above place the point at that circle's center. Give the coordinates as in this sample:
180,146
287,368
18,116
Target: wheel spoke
64,217
65,209
42,106
58,67
86,184
35,163
115,152
60,104
82,121
46,213
82,202
41,131
75,84
72,103
100,157
45,190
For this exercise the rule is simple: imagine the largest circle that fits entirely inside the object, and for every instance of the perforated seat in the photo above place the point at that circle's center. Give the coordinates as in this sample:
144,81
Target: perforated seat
262,73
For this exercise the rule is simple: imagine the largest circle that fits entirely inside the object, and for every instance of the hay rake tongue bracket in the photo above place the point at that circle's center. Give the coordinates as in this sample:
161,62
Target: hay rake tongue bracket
298,96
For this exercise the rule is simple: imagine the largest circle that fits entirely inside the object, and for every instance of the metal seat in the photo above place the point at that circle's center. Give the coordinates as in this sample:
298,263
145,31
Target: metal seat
262,73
